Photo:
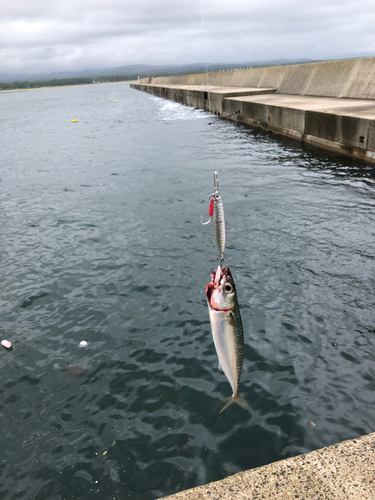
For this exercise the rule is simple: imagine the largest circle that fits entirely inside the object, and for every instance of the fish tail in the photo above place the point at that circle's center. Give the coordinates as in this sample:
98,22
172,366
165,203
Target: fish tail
235,398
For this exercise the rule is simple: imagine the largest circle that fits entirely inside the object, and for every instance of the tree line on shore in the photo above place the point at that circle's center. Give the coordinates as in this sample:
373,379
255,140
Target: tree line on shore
58,82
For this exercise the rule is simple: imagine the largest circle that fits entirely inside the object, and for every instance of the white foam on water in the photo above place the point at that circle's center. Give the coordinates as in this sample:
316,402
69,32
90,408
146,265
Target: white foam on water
171,111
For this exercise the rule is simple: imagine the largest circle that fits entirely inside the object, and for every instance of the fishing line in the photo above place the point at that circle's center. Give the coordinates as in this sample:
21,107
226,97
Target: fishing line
205,44
208,85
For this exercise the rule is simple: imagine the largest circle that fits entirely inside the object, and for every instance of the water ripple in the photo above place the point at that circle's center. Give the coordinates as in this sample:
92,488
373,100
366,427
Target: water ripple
102,242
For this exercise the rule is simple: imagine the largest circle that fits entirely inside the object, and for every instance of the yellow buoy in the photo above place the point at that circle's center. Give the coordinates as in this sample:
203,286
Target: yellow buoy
73,121
116,101
100,97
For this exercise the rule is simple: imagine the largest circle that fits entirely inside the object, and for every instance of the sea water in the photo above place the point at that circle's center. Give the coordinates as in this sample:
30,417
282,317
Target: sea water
101,242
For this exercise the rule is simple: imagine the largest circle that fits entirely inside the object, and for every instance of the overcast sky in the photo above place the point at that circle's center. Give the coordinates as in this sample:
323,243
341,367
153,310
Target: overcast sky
57,35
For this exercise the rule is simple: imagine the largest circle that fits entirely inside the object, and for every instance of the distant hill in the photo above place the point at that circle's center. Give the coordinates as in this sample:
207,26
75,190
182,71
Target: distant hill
132,71
142,70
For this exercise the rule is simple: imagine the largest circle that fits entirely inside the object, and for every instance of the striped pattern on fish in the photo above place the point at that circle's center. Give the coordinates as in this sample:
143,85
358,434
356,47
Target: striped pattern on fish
227,331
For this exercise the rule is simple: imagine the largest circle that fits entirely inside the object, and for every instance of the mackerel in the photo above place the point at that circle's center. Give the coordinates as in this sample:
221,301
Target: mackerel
227,331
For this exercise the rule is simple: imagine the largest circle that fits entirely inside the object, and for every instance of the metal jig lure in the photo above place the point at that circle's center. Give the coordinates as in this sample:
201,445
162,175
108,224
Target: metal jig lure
216,211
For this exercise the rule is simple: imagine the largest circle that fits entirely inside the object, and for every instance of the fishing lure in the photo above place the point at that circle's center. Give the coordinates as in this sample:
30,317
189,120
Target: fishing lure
216,211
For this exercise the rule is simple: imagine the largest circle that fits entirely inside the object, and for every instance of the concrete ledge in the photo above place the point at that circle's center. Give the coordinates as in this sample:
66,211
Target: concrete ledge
344,471
346,126
209,98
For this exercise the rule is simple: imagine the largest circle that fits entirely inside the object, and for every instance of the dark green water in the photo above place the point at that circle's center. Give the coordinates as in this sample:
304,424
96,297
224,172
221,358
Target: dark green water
101,241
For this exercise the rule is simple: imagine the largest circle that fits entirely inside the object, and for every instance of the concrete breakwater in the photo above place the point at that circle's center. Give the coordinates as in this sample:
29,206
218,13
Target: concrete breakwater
330,105
343,471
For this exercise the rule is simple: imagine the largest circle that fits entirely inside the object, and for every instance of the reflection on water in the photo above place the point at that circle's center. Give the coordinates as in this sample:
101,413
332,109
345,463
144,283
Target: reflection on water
102,241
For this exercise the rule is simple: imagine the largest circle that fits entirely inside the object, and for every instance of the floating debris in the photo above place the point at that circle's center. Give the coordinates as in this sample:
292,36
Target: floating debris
75,371
8,346
83,343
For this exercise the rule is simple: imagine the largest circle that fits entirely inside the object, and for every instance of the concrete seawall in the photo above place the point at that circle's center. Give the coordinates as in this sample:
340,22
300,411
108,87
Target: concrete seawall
344,471
330,105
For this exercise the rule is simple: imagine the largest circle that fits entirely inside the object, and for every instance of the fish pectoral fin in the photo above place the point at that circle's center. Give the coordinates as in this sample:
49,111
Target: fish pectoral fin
230,319
233,399
219,366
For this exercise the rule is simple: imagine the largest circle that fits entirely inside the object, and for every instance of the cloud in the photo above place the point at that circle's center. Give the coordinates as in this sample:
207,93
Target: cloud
47,36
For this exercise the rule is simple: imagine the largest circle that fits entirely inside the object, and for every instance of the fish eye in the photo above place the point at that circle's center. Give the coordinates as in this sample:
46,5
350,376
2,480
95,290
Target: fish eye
228,288
217,196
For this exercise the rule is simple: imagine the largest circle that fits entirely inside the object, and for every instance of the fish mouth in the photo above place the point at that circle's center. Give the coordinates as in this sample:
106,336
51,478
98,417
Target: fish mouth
218,278
210,287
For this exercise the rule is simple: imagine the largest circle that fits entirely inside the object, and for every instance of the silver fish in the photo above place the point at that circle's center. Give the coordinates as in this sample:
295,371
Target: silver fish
218,218
227,332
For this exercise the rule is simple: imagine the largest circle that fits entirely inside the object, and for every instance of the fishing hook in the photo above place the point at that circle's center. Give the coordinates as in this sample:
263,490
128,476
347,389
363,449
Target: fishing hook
211,210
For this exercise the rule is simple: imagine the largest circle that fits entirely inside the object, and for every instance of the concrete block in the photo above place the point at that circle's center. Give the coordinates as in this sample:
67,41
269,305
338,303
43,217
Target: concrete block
371,136
222,78
323,125
189,79
230,106
256,112
200,79
215,80
361,84
353,131
286,118
253,77
326,79
296,79
238,78
329,78
179,79
272,76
